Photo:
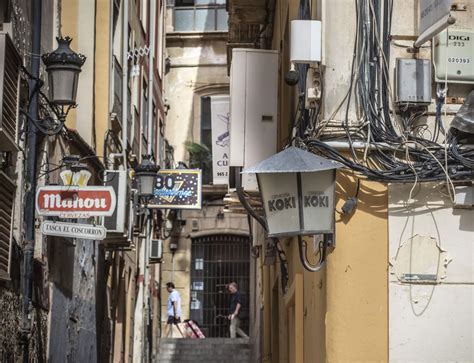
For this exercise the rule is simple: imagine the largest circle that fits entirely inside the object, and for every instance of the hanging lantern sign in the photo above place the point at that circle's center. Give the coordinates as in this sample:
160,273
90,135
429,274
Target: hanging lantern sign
297,189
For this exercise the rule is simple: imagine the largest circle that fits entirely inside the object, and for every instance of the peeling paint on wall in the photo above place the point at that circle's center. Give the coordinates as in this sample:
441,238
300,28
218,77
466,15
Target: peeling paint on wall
420,260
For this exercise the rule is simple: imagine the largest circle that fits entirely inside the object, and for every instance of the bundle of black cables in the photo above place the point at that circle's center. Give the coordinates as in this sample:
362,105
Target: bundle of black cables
394,156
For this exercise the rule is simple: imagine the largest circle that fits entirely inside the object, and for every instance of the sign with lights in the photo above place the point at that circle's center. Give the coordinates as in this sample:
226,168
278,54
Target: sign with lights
177,189
75,202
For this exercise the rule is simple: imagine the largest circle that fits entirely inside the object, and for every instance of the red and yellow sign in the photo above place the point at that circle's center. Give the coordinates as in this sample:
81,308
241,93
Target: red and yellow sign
75,202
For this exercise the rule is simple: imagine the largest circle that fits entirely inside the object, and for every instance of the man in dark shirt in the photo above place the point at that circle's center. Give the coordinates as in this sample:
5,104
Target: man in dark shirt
235,308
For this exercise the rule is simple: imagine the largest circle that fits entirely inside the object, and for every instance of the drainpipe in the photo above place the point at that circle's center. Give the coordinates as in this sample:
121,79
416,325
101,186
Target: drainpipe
149,226
151,75
29,213
125,101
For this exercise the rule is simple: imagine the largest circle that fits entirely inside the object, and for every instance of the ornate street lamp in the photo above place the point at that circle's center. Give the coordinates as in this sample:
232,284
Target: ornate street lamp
297,190
146,174
63,66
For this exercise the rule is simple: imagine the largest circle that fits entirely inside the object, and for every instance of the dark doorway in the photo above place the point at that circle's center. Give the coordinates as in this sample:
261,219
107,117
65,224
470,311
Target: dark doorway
216,261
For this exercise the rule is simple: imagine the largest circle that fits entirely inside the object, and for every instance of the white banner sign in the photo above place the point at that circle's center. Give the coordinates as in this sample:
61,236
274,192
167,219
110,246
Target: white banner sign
433,11
73,230
220,139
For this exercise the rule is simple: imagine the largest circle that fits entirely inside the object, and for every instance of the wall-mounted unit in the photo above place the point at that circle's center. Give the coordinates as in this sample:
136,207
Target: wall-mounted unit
413,81
305,41
156,249
10,62
453,56
118,222
253,109
7,195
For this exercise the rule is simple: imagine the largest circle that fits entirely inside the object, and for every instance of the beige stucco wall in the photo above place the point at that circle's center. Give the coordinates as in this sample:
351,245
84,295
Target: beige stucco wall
198,68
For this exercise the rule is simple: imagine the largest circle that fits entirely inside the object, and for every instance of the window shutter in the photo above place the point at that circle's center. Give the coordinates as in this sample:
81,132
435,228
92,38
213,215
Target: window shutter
7,196
10,63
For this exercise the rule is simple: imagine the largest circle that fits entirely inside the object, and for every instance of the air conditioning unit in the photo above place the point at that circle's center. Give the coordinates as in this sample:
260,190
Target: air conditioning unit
118,222
253,109
156,249
10,62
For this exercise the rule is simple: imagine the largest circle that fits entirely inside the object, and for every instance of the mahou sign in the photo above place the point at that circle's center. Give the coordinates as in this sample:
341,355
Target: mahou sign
75,202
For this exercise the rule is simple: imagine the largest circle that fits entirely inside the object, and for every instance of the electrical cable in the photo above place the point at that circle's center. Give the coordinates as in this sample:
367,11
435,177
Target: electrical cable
411,156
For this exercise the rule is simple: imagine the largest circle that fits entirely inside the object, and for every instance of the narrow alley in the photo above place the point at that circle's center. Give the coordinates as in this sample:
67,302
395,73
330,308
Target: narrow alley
236,181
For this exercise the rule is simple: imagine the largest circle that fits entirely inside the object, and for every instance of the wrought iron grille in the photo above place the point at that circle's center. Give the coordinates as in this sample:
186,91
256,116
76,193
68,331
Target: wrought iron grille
216,261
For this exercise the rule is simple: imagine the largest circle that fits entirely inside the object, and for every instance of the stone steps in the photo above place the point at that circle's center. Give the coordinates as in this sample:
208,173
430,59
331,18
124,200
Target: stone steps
211,350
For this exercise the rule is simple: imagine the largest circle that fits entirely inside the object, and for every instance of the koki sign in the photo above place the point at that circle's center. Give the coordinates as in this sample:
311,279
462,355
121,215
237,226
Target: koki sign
75,202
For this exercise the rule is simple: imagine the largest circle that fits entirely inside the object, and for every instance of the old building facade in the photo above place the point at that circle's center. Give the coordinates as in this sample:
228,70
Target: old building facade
90,299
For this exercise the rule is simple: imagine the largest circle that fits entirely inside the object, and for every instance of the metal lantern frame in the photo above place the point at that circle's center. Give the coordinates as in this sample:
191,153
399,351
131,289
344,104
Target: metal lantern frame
145,174
63,66
289,214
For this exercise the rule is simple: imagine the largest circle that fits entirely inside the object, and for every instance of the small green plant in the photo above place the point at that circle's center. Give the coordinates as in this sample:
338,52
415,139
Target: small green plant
200,156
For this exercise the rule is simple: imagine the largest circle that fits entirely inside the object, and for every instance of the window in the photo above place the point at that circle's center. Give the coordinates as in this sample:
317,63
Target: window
200,15
206,138
144,113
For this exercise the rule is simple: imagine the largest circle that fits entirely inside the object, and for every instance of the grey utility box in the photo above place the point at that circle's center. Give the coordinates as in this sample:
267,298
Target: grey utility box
413,81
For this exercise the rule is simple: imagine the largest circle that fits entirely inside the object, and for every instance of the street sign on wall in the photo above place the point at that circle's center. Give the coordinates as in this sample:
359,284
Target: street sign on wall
177,189
75,202
431,12
73,230
220,139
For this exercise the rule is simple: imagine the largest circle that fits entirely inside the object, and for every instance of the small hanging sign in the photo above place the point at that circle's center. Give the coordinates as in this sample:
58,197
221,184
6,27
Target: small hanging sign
73,230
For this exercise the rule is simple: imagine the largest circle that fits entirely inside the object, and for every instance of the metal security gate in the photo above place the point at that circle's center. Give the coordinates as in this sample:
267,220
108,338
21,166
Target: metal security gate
216,261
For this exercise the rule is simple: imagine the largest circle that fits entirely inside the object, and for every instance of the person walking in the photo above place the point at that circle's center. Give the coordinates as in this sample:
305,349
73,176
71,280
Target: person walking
173,309
235,311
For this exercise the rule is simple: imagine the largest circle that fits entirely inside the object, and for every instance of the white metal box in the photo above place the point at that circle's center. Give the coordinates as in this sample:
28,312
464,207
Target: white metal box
118,222
305,41
454,57
253,109
413,81
156,249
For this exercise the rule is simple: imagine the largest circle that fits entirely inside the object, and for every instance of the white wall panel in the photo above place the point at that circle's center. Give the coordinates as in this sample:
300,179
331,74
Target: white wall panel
431,322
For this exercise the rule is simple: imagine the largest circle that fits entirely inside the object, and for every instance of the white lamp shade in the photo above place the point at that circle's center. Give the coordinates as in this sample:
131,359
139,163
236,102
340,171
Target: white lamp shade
146,185
298,203
318,201
63,86
280,196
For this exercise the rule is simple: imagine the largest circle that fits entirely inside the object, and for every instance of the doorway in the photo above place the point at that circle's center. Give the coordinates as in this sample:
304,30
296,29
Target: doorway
216,261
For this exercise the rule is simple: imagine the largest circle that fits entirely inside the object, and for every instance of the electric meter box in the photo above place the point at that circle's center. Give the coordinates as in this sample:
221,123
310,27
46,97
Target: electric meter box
413,81
253,110
454,57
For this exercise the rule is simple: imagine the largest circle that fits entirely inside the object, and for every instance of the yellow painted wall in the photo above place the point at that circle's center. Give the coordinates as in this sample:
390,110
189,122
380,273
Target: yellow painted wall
357,299
345,306
102,74
69,19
